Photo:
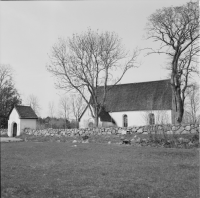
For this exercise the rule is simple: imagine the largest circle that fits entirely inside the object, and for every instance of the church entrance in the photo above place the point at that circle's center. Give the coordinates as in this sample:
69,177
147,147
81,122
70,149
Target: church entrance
14,129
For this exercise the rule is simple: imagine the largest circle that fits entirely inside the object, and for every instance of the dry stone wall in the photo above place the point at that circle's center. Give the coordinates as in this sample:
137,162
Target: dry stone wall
157,129
3,131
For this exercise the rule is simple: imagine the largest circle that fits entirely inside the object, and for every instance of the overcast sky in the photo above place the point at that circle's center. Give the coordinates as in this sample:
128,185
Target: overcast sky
29,30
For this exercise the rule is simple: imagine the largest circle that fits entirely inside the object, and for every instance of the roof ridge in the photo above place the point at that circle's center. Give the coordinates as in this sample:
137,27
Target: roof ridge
22,106
139,82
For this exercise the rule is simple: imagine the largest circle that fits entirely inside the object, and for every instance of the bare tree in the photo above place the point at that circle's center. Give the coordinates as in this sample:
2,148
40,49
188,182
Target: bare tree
177,30
78,105
88,60
9,96
156,117
51,112
146,117
51,109
5,75
192,105
64,108
162,117
34,103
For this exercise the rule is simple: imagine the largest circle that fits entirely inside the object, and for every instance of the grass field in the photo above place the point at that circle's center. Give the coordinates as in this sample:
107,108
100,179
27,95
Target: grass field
59,169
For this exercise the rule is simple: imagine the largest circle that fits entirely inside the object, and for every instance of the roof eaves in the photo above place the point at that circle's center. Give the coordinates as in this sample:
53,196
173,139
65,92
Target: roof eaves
29,118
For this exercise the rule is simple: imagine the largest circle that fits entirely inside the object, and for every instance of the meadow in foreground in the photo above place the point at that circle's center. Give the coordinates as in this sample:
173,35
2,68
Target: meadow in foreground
97,170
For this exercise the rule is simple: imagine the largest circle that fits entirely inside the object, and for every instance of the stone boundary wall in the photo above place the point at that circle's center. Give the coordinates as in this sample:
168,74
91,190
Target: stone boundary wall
155,129
3,131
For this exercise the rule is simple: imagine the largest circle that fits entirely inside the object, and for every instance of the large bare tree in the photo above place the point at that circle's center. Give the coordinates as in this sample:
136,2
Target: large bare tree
88,60
177,31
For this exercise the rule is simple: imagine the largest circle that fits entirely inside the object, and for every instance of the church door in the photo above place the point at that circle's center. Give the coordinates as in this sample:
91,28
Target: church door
14,129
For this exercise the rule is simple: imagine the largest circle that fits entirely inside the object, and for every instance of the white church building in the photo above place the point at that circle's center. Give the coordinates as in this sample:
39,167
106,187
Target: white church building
134,104
21,117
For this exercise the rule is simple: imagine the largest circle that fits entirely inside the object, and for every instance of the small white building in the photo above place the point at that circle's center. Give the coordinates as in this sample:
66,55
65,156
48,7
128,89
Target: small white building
21,117
134,104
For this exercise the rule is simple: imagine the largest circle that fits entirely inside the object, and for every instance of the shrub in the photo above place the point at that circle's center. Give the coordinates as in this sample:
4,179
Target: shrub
195,138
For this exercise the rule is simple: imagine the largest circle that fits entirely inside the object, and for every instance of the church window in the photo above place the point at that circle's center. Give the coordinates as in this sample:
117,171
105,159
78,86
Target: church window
151,119
125,120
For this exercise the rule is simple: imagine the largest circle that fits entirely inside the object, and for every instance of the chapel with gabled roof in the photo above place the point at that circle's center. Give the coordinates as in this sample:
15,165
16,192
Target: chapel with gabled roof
21,117
134,104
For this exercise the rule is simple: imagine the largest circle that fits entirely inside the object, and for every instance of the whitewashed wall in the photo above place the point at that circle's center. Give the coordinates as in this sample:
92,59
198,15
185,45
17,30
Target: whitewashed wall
135,118
13,118
28,123
139,118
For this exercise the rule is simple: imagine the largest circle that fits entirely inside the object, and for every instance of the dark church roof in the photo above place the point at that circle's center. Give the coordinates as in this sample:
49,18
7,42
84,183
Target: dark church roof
25,112
154,95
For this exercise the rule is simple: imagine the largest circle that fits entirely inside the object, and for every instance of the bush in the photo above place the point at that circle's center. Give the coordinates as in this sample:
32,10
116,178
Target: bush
173,141
3,133
195,138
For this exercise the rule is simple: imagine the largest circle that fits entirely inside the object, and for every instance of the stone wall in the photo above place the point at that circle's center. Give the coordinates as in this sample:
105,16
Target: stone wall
3,131
157,129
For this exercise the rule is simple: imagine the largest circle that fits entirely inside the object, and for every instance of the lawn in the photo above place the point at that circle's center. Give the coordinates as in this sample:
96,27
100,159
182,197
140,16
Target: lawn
94,170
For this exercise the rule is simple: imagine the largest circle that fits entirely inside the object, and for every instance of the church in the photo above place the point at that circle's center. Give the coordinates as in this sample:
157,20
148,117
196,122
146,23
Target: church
134,104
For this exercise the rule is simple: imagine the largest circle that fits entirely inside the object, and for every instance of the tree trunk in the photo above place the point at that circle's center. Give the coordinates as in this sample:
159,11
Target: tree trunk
176,89
77,122
96,120
96,115
180,109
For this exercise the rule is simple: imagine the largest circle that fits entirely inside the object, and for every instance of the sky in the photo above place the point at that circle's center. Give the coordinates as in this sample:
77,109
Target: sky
28,30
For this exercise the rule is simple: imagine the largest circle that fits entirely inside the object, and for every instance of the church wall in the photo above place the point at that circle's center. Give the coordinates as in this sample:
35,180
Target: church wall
135,118
138,118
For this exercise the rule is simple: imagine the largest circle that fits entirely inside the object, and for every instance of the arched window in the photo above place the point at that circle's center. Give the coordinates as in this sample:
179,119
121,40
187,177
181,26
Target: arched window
151,119
90,125
125,120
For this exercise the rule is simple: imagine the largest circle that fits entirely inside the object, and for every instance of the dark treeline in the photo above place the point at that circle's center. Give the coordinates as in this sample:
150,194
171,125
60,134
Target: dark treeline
56,123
